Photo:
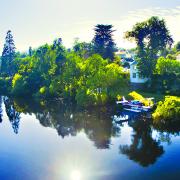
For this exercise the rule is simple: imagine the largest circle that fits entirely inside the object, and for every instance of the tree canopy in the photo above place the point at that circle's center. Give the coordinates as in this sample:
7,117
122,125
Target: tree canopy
103,41
152,38
89,74
8,55
77,75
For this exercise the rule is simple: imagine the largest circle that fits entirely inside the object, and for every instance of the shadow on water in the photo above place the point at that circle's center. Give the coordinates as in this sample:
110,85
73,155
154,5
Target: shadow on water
1,113
96,123
13,115
143,149
68,120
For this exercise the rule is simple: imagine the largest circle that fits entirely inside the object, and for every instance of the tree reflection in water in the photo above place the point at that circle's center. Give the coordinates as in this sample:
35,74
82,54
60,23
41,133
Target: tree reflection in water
96,123
144,149
1,112
70,121
13,115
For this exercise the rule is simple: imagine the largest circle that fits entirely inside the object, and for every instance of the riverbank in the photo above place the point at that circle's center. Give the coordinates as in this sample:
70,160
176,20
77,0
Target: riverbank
72,111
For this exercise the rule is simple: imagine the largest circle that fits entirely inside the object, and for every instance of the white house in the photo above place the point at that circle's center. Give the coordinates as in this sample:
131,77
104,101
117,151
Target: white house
135,77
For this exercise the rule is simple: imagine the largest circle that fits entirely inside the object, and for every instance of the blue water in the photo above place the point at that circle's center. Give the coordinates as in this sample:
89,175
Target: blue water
53,142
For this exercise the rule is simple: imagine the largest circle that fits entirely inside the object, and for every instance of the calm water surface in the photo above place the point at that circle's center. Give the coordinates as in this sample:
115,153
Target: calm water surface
54,141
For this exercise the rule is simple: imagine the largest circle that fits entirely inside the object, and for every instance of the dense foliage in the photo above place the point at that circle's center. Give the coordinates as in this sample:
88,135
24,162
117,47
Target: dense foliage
52,71
90,73
168,110
156,59
166,78
8,55
166,116
103,41
152,38
137,96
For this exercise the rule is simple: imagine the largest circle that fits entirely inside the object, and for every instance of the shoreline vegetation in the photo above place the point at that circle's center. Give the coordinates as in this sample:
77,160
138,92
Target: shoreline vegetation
90,74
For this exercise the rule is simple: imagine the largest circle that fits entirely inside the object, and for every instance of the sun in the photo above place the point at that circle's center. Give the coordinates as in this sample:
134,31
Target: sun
76,175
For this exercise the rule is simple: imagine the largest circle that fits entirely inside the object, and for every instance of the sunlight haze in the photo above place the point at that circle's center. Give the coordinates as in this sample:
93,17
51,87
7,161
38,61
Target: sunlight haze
36,22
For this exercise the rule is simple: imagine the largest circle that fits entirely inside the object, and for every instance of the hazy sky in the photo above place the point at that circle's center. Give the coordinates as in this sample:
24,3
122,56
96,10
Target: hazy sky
35,22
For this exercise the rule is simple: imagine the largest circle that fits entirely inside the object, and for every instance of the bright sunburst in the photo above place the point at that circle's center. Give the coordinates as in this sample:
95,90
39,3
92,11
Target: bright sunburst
76,175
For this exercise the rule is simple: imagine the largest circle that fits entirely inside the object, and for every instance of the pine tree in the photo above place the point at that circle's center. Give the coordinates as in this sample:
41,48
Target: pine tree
103,41
8,55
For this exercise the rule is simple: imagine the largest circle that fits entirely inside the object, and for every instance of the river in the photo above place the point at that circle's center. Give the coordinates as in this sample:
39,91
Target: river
52,141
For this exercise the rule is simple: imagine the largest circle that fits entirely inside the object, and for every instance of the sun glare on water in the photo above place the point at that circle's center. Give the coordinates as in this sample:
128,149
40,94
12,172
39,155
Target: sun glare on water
76,175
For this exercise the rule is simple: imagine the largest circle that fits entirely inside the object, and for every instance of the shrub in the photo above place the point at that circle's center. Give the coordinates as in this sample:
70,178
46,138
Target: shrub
139,97
19,87
83,98
42,90
167,111
15,79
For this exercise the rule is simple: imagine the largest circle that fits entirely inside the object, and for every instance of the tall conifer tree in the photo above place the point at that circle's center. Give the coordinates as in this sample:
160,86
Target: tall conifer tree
8,55
103,41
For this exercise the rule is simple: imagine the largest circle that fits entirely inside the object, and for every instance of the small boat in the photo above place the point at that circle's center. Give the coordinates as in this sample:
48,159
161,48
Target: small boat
134,105
146,108
134,109
120,118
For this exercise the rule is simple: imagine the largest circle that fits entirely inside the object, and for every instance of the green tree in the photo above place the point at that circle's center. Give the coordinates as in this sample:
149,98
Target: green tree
167,76
152,38
168,111
78,75
167,66
83,49
72,73
8,55
35,71
103,41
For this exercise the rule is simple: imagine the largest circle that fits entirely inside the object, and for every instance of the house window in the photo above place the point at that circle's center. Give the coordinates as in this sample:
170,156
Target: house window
134,75
135,67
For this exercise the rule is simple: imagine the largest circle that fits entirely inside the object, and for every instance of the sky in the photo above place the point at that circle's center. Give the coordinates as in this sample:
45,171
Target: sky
36,22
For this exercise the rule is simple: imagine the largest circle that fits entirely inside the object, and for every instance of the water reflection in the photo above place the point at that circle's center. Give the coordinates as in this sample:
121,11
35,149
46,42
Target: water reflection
144,149
1,112
96,123
67,120
13,115
71,121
